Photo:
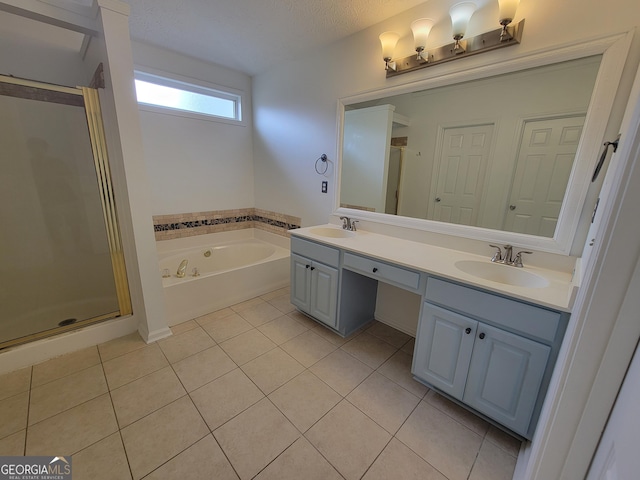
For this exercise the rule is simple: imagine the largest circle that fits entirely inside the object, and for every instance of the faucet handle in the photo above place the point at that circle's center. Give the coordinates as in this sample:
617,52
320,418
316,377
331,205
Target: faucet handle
497,257
353,225
517,261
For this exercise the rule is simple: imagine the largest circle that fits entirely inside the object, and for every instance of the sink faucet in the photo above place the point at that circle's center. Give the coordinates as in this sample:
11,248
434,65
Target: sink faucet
348,224
182,269
507,258
508,252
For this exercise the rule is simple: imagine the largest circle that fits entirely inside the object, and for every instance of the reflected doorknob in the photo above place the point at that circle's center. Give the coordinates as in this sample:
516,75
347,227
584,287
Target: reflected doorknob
437,199
512,207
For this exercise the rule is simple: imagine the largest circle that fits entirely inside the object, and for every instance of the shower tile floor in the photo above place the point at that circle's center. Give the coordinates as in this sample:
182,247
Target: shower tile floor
256,390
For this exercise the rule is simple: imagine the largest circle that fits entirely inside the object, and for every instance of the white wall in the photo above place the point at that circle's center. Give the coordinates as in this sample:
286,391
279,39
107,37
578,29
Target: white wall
295,105
196,165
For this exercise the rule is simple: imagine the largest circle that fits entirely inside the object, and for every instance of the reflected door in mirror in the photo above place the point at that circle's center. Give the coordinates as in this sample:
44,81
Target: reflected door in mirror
543,167
459,173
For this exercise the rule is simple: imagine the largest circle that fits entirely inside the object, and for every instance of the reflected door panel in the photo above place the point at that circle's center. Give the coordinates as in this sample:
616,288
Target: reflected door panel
461,167
543,167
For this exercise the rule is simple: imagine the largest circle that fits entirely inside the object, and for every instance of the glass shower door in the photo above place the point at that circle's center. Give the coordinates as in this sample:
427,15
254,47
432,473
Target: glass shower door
56,261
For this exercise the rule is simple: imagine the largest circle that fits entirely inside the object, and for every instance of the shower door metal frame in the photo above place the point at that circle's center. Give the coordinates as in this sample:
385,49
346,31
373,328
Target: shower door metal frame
87,98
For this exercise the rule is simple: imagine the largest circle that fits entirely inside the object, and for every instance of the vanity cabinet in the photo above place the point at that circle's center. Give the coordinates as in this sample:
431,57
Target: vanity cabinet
489,352
315,279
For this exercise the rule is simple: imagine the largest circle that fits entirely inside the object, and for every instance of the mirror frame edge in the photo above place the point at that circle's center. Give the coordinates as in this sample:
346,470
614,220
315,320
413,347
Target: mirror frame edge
614,50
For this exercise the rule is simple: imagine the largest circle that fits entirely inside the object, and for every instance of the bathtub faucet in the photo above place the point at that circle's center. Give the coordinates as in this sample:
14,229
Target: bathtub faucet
182,269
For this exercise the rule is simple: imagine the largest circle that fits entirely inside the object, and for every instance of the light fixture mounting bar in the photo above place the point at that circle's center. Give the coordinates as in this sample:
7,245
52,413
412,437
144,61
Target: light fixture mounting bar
479,44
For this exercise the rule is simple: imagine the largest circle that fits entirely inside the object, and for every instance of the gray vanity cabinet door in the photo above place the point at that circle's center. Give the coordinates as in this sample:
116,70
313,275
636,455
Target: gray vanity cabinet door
324,293
443,351
504,377
301,282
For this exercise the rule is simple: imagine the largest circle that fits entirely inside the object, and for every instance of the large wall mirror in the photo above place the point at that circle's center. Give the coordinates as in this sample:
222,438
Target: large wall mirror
500,155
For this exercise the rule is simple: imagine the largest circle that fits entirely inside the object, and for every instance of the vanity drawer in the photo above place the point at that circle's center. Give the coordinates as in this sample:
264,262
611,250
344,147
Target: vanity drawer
316,251
400,276
529,320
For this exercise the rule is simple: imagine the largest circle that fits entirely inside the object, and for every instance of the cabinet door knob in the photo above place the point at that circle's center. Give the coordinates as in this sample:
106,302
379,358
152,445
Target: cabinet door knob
313,268
482,335
307,266
375,269
468,330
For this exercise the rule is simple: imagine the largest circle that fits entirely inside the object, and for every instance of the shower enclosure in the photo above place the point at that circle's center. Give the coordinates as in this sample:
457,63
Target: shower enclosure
61,263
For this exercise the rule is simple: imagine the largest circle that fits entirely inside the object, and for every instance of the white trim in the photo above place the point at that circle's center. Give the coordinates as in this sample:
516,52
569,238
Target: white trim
614,52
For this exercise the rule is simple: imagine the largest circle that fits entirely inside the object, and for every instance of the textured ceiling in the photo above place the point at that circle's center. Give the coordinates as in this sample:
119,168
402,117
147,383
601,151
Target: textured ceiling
254,35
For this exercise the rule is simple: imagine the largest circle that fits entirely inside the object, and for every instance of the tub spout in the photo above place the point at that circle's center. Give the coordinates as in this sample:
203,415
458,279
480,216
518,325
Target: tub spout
182,269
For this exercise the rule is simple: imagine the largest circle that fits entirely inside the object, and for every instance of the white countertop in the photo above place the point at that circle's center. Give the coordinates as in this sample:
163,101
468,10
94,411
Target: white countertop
558,295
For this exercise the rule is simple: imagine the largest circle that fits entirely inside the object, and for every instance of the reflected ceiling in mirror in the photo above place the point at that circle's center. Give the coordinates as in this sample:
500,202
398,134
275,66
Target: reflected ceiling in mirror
496,153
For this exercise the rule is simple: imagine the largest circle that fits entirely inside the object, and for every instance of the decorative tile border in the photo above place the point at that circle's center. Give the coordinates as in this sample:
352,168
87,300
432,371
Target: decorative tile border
167,227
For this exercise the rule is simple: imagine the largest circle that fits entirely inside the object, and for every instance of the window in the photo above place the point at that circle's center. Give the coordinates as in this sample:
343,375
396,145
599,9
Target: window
175,96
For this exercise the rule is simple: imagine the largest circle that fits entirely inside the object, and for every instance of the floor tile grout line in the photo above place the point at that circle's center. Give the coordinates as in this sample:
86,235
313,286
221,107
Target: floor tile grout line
377,456
496,444
169,459
452,417
104,360
124,447
138,378
66,374
418,455
26,427
474,462
225,454
69,409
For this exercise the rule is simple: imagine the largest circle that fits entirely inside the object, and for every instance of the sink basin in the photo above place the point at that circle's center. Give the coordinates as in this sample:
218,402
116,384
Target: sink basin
331,232
505,274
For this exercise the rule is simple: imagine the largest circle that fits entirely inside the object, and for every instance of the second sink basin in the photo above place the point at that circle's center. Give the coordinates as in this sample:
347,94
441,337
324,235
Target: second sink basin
504,274
331,232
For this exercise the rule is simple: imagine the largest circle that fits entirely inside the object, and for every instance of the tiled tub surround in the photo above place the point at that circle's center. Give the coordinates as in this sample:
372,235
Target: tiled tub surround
181,225
251,391
240,264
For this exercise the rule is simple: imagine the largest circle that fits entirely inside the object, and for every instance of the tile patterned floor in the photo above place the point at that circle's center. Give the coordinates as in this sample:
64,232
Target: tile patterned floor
257,390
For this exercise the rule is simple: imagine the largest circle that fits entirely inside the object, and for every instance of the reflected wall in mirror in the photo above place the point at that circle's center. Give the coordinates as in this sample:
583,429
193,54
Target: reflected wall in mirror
496,153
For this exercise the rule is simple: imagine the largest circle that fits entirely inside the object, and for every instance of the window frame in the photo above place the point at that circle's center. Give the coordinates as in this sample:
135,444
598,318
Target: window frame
195,86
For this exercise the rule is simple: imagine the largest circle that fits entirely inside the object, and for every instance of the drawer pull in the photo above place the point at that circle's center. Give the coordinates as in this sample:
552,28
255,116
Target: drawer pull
468,330
375,269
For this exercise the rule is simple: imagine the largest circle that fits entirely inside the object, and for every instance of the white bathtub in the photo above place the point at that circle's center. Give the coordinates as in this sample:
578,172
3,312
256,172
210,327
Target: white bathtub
233,267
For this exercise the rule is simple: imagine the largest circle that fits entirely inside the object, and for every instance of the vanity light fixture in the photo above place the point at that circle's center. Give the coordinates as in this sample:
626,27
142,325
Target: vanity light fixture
421,29
389,41
508,34
460,15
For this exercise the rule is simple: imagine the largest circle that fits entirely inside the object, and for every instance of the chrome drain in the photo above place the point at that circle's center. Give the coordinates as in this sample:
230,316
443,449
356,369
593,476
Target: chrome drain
68,321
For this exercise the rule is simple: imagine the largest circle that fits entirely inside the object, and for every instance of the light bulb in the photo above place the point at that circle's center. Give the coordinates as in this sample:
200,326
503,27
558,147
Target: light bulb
460,16
388,41
421,29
